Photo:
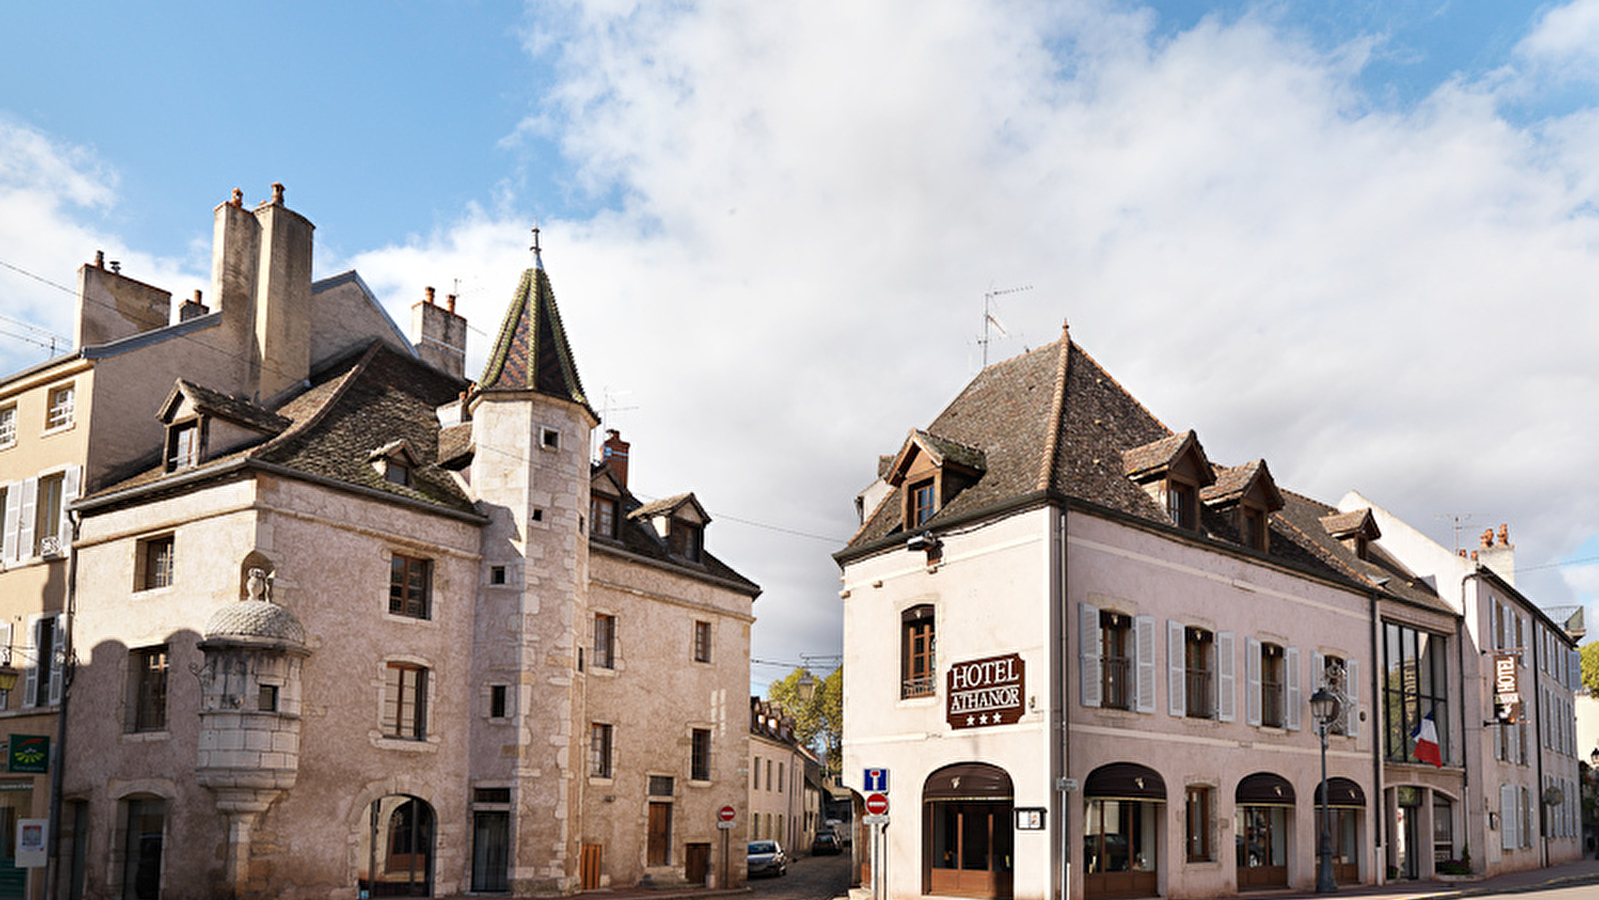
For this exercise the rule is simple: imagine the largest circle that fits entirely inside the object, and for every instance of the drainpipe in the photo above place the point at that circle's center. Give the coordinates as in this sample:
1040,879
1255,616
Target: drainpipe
53,863
1465,742
1537,712
1060,749
1378,725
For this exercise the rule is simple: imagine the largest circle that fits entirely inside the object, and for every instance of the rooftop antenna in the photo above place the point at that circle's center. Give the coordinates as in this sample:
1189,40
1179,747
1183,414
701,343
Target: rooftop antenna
1458,520
608,398
989,318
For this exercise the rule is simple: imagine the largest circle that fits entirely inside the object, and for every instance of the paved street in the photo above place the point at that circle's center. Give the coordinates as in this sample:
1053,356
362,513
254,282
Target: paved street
809,878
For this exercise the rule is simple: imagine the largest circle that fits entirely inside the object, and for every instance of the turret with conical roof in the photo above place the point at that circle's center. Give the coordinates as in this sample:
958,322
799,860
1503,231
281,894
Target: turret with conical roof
531,352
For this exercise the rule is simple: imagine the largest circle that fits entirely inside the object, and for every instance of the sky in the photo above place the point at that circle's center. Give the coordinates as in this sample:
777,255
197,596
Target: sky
1358,240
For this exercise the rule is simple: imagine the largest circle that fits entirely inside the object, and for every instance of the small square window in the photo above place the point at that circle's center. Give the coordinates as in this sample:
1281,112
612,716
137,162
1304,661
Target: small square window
154,564
702,642
491,795
59,412
538,514
397,472
549,439
661,785
496,574
498,701
267,700
8,425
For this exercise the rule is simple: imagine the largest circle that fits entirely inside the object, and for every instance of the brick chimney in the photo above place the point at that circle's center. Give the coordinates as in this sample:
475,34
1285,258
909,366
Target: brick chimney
192,309
614,454
439,334
1500,556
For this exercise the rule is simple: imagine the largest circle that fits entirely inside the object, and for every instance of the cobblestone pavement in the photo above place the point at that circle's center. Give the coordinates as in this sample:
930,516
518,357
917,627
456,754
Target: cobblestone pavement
809,878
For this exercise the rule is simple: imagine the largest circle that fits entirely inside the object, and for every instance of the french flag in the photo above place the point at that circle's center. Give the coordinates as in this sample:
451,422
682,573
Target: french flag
1426,737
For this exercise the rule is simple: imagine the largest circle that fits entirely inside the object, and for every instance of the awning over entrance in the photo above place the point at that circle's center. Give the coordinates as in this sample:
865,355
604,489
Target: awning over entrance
1265,789
1125,781
1342,793
968,781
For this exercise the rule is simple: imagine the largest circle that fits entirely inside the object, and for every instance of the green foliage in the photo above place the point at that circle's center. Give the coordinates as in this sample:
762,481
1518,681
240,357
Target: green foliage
1590,667
820,723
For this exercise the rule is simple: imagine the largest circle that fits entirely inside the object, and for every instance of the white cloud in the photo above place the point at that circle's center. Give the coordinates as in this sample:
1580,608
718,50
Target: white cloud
1565,41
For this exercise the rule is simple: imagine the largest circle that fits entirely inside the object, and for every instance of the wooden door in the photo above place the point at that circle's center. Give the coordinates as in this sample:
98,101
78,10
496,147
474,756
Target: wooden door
660,835
592,860
697,862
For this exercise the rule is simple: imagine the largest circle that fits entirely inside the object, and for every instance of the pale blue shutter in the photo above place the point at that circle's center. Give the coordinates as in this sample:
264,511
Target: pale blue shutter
30,681
1144,636
13,513
58,650
1176,682
1352,691
1226,689
1088,644
1251,681
30,491
1291,662
69,493
1508,815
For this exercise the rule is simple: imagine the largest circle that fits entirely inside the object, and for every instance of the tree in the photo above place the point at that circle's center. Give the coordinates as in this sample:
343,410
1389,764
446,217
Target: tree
1590,667
818,724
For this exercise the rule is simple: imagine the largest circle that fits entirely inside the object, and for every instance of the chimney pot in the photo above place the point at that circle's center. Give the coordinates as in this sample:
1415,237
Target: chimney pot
1504,535
197,295
238,197
99,259
1488,537
1473,556
449,302
429,292
277,193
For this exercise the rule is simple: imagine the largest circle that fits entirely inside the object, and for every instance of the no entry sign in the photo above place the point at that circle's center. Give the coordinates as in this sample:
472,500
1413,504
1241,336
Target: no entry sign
726,813
877,804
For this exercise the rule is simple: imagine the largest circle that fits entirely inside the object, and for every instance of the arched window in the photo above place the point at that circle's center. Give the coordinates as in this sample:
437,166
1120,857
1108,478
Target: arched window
397,848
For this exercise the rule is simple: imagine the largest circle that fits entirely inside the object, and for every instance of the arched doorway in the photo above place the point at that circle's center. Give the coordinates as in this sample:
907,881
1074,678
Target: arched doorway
1120,823
397,848
966,832
1345,801
1265,804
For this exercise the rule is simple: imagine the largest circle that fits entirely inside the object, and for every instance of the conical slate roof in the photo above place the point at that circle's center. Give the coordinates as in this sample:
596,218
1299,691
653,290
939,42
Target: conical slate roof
531,352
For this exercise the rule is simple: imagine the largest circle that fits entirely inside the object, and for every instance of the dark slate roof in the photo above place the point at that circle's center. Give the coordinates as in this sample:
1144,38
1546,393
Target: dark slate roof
239,410
638,537
1309,517
1232,482
947,450
531,352
1054,420
360,403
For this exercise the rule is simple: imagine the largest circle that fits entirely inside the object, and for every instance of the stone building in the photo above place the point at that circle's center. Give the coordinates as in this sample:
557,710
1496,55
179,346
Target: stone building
346,624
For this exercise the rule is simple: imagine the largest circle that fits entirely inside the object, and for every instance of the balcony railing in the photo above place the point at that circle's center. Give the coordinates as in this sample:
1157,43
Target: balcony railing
918,686
1117,694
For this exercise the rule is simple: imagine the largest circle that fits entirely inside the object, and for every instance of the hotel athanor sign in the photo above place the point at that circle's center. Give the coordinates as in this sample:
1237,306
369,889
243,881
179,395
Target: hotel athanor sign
986,691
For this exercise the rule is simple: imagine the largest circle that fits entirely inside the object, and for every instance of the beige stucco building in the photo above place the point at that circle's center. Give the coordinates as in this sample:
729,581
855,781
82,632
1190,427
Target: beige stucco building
783,805
344,623
1083,657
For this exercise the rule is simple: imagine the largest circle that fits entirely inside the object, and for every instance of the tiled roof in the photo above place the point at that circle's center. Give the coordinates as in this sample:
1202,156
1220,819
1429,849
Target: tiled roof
531,352
235,409
1232,483
637,536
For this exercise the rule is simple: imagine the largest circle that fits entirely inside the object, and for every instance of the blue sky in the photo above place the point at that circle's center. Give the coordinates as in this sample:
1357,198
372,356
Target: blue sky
1356,239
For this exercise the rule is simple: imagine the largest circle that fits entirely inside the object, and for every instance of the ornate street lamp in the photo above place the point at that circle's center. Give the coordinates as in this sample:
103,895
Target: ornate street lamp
1323,709
806,687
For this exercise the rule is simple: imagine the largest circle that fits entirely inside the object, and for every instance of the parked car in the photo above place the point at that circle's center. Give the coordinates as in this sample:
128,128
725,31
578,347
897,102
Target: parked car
766,858
826,844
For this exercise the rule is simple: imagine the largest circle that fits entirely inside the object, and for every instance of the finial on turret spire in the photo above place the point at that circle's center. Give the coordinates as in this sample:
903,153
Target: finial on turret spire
538,261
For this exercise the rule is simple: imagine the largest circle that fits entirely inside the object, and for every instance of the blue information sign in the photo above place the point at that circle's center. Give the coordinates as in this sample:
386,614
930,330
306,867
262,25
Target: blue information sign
875,781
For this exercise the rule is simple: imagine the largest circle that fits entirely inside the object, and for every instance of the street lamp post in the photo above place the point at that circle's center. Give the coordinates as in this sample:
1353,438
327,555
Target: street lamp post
1323,708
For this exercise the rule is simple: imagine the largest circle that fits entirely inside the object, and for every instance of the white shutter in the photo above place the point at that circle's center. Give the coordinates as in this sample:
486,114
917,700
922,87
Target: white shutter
1226,690
1508,815
1352,691
5,639
1251,681
30,680
1144,653
1177,680
58,652
13,514
1291,660
30,491
69,493
1499,741
1088,644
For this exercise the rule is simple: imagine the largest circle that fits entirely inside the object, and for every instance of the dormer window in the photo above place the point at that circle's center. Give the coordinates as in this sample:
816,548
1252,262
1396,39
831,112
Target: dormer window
602,511
395,462
1173,471
1252,527
1355,530
924,502
930,471
183,445
397,472
686,540
1247,496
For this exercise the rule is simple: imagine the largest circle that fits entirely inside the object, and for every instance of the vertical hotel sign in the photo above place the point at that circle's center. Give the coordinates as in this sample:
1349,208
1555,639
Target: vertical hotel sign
985,691
1507,687
29,753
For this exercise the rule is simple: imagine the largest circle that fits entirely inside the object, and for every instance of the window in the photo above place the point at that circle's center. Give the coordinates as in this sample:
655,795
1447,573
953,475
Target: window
1414,685
1182,505
47,515
153,567
410,582
686,540
599,750
1199,649
498,694
8,425
549,439
918,669
142,848
602,510
267,699
58,414
183,445
769,775
1273,686
1252,528
1115,631
1340,677
604,641
780,778
496,574
397,472
700,755
43,684
924,502
1201,813
147,689
405,702
702,642
661,785
755,775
